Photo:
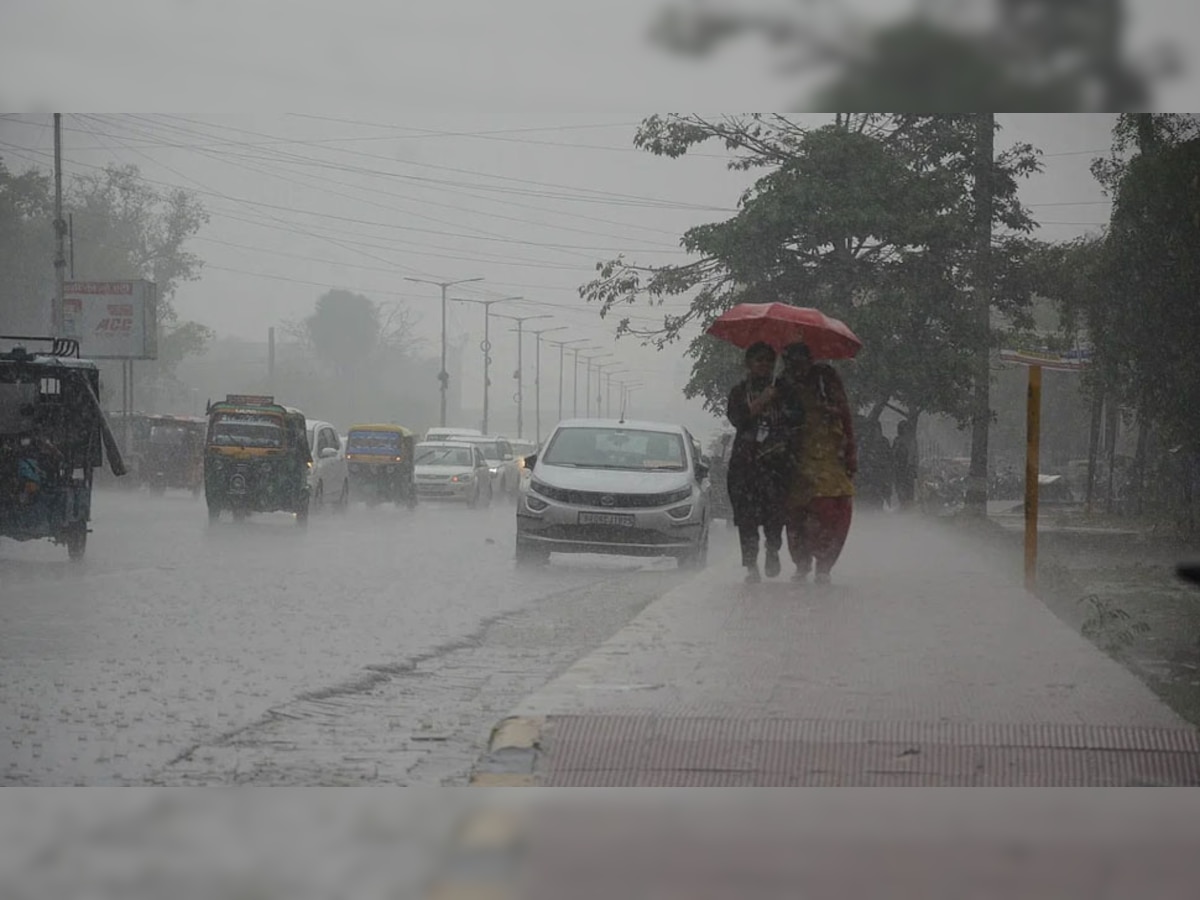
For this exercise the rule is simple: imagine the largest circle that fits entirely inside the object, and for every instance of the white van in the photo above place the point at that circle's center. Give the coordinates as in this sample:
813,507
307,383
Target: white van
441,433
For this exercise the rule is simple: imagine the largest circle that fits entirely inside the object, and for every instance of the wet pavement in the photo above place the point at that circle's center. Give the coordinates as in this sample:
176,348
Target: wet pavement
378,645
925,664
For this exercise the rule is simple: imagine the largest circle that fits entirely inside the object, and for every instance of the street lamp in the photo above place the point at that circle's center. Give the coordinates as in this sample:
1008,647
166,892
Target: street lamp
486,346
537,379
600,373
608,390
587,399
443,375
629,389
562,352
587,391
575,381
521,320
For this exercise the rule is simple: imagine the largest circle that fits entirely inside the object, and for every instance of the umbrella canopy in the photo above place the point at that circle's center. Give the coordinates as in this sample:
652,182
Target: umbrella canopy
778,324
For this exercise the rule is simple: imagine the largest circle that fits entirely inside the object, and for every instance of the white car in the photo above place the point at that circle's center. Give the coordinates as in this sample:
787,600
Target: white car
609,486
329,477
502,462
452,470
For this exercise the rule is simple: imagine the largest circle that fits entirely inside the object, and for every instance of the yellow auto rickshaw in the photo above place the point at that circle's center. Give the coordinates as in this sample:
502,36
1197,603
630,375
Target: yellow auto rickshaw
381,464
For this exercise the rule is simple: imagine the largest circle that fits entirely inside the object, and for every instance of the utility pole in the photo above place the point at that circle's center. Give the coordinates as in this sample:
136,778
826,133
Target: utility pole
602,372
443,375
977,481
271,360
629,389
608,390
537,379
520,397
58,325
486,347
562,353
587,396
575,381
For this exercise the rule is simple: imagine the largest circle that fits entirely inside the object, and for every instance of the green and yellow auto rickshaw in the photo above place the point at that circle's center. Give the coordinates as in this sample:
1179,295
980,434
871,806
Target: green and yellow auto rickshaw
174,454
381,464
256,458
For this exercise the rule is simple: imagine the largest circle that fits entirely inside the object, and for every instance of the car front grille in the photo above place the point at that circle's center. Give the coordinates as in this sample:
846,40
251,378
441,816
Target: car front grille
607,500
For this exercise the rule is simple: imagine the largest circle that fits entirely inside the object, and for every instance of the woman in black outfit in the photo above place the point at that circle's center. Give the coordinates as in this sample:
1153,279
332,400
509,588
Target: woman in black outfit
761,461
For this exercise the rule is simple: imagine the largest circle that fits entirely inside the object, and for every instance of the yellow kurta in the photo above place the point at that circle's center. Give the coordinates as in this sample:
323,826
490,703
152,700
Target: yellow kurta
820,465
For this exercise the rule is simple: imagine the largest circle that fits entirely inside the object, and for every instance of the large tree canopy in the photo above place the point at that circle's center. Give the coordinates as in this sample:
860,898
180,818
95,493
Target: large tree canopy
868,219
123,228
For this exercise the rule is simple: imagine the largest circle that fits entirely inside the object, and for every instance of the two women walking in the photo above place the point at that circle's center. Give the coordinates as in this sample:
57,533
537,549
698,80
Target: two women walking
793,462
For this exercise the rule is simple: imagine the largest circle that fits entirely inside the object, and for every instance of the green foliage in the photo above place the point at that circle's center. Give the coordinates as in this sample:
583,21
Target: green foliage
347,331
1151,265
1052,55
868,219
1109,626
125,228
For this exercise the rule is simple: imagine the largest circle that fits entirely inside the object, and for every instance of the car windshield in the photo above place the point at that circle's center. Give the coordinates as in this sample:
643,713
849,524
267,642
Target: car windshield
444,456
616,448
246,430
373,442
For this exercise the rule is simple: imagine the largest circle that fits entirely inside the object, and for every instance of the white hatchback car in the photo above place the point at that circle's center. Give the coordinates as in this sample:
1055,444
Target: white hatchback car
610,486
329,478
450,470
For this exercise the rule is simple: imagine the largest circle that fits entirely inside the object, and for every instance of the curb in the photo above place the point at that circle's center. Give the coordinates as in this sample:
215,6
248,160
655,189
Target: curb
482,860
512,754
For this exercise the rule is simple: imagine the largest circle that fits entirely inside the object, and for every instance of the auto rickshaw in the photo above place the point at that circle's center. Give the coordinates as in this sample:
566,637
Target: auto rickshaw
174,454
53,436
381,464
256,458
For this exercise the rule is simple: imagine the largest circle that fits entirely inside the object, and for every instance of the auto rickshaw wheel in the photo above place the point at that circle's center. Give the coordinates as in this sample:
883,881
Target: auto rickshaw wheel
76,539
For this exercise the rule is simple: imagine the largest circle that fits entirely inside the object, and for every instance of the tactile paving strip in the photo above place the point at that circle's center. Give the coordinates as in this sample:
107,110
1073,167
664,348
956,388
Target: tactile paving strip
642,750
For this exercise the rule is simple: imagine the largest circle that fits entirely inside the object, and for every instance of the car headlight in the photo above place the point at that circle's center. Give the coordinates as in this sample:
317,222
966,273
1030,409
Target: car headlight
537,504
680,512
462,479
494,469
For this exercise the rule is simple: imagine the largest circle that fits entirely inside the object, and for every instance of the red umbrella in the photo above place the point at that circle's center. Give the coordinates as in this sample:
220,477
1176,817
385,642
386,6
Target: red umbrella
778,324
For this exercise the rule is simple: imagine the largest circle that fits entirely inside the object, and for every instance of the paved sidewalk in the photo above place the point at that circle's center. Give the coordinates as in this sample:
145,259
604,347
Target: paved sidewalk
926,664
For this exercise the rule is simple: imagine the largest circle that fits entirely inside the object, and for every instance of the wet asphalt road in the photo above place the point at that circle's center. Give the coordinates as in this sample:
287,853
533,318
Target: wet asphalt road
378,646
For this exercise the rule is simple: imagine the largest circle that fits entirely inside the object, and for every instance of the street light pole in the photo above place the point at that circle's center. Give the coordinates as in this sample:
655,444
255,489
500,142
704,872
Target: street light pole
486,347
521,320
601,371
575,381
537,379
608,390
587,397
443,375
562,353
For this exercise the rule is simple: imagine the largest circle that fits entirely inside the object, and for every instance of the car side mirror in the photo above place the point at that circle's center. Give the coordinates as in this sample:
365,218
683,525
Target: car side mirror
531,460
329,453
702,470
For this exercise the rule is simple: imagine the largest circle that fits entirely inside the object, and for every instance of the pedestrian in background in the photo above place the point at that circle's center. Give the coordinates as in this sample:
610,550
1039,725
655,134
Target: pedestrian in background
821,496
761,461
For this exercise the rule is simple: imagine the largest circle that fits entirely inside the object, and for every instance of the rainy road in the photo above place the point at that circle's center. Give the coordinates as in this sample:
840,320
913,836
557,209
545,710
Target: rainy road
375,646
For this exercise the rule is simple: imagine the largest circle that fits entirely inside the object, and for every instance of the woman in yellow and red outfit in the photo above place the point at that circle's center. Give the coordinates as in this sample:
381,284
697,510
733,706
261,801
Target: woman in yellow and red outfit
821,498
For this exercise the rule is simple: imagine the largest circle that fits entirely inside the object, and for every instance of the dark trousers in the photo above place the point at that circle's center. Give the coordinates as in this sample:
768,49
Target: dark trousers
748,536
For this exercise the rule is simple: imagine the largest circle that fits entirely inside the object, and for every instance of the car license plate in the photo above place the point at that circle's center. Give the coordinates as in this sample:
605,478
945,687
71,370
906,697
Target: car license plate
588,518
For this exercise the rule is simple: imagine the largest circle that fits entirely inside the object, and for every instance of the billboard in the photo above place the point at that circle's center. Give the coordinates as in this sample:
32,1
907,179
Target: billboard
112,319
